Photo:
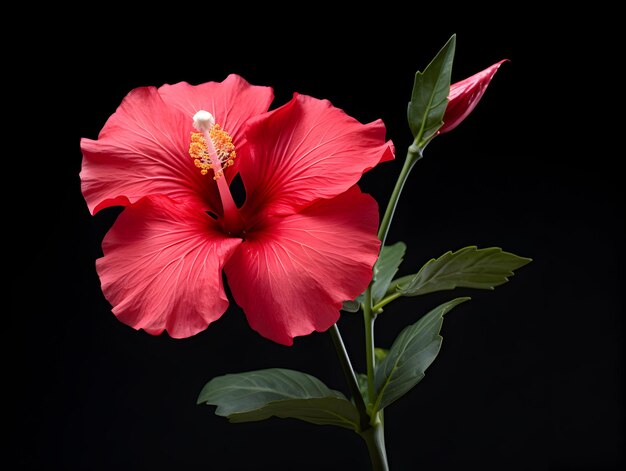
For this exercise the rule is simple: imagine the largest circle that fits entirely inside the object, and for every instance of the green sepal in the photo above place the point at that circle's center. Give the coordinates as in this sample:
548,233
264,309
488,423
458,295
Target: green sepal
429,98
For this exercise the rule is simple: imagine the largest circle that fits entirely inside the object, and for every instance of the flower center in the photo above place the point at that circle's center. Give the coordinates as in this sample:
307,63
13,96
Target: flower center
212,148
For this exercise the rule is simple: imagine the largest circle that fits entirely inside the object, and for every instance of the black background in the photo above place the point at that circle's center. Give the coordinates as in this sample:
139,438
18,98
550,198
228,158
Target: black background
530,376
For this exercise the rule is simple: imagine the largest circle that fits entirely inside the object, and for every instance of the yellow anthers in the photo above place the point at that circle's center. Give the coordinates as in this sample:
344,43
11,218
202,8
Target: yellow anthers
199,152
224,148
218,155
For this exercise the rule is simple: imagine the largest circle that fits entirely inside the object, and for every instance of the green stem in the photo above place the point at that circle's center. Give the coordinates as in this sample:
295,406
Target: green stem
397,283
383,302
348,372
374,435
413,155
375,439
370,359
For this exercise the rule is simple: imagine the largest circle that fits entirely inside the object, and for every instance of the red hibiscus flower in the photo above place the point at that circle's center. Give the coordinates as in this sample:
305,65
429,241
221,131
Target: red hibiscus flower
465,95
303,242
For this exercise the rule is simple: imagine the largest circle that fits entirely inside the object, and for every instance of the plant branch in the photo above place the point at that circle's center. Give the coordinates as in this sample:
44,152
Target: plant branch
413,155
348,372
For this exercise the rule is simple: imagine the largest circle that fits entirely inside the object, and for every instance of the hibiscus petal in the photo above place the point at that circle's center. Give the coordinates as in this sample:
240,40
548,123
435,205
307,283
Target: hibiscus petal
143,149
304,151
231,102
465,95
291,275
162,267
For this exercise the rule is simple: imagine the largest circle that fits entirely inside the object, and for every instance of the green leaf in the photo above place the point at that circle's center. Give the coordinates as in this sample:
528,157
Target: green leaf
385,269
319,411
380,354
258,395
412,352
351,306
430,95
469,267
362,380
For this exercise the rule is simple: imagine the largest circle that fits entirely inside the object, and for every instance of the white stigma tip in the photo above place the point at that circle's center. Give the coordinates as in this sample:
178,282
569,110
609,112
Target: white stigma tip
203,120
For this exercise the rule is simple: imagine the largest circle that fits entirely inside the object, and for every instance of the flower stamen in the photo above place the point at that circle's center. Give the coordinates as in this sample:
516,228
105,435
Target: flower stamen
212,148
